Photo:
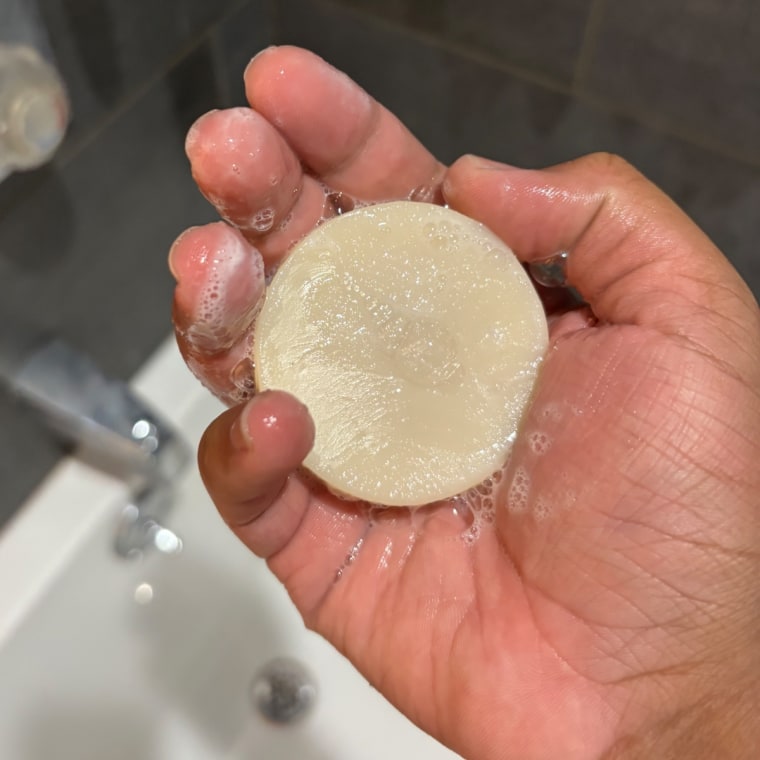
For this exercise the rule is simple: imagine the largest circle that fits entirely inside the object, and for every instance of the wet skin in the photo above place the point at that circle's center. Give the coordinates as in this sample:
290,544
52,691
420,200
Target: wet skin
611,605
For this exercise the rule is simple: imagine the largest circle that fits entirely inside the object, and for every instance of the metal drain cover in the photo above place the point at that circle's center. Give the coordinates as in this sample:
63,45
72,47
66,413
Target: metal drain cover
283,691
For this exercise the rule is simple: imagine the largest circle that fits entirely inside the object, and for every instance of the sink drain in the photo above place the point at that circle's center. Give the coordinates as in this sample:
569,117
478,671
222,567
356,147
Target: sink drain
283,691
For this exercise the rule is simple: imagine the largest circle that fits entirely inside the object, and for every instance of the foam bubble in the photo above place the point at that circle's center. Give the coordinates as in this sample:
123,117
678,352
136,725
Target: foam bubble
219,323
542,509
466,515
519,491
262,220
353,552
569,498
539,443
472,534
480,501
552,412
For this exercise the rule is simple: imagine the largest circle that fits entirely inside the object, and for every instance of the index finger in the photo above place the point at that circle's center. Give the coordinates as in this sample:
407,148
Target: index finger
633,254
338,130
269,169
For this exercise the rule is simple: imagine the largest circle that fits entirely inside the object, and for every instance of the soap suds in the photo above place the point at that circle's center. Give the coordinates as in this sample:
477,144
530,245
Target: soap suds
262,221
519,491
542,508
539,443
230,294
552,412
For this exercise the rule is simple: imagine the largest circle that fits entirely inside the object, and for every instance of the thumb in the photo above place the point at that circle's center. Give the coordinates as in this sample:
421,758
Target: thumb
246,458
633,254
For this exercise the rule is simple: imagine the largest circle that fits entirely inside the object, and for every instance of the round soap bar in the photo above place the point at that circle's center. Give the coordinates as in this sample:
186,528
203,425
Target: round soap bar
413,335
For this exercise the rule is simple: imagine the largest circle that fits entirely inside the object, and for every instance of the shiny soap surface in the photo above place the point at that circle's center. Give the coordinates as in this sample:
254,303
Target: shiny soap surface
413,335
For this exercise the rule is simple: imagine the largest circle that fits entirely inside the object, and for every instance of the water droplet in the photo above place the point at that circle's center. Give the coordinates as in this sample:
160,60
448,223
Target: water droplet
427,194
167,542
542,509
243,378
550,272
340,202
144,593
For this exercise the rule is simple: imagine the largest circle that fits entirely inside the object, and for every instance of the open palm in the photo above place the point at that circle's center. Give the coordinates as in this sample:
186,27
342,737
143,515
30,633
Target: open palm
586,608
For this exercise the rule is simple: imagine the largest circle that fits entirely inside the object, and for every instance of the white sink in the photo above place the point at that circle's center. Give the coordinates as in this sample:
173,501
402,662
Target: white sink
103,658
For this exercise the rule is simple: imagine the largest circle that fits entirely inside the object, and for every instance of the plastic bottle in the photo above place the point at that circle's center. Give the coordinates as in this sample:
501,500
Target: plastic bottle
34,109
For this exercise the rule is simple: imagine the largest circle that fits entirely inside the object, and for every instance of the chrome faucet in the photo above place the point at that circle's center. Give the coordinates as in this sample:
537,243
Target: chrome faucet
111,426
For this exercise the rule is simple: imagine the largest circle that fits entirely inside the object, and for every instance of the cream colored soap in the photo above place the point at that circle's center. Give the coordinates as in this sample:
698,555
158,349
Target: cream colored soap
414,336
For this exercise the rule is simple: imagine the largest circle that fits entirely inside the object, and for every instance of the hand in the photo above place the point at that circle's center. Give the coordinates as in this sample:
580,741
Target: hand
610,608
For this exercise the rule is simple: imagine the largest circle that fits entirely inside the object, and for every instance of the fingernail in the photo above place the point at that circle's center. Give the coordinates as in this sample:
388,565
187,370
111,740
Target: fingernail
258,55
192,134
172,264
240,433
479,162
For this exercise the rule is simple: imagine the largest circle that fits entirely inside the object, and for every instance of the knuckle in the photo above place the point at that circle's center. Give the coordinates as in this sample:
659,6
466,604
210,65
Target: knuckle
612,166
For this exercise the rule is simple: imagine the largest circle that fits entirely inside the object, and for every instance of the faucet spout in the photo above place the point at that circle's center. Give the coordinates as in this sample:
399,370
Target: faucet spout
99,414
110,425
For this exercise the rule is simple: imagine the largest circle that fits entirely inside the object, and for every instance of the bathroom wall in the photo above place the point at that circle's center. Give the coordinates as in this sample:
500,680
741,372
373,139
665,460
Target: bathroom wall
83,242
670,85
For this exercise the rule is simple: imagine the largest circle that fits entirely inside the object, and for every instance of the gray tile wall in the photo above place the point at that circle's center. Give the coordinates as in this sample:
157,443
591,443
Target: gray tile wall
693,67
672,85
458,96
83,242
682,66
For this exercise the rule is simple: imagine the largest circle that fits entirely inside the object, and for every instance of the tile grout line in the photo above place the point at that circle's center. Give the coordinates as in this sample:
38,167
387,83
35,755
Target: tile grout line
650,121
134,95
588,45
646,119
130,99
448,46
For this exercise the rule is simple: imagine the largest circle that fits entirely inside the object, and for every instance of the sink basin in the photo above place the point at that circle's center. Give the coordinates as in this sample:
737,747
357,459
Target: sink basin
104,658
